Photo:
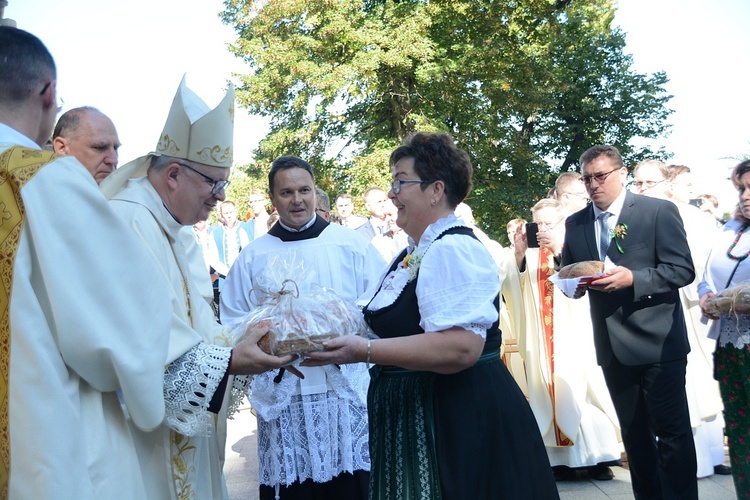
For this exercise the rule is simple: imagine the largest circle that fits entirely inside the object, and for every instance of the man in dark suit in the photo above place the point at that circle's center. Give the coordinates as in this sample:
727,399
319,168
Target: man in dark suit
639,329
375,202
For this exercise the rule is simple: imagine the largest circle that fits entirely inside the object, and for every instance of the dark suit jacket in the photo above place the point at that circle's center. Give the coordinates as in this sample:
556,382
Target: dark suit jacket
367,230
644,323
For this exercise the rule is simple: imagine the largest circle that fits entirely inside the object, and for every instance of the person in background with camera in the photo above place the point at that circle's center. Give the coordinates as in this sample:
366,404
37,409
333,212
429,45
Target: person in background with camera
566,388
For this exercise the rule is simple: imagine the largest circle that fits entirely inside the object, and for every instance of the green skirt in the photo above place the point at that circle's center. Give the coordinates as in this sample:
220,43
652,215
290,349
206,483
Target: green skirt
403,446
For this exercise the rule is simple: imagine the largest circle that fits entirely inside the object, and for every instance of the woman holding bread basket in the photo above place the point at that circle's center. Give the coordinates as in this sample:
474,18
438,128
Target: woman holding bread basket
725,294
447,420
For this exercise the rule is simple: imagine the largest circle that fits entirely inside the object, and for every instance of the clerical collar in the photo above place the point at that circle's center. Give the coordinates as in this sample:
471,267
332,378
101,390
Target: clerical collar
293,230
310,230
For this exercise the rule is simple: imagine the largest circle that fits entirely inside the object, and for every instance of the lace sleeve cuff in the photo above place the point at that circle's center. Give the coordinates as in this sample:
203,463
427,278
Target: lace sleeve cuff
190,382
238,392
477,328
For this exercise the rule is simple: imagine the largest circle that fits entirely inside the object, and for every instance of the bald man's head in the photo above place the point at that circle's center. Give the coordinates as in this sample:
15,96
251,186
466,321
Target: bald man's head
90,136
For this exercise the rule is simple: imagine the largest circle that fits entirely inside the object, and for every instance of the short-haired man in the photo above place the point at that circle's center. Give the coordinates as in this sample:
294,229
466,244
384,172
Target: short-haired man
344,211
258,201
639,327
322,419
375,200
160,196
681,183
652,179
570,192
78,327
322,204
89,135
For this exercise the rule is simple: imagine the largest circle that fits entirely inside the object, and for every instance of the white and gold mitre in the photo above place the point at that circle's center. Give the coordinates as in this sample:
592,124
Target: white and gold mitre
193,132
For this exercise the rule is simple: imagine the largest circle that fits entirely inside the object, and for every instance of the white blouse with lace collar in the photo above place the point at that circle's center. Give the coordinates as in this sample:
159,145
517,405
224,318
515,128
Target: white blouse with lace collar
458,281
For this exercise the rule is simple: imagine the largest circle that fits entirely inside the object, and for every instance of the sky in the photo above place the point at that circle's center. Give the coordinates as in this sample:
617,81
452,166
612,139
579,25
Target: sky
127,59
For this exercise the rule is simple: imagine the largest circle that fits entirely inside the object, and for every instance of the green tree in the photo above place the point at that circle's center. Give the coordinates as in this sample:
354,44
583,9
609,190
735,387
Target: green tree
239,192
525,87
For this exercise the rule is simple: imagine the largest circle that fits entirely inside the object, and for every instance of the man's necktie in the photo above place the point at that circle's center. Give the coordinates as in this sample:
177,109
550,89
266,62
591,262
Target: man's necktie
604,236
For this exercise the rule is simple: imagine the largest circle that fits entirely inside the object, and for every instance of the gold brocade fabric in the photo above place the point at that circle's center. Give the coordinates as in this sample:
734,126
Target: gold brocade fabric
546,296
17,166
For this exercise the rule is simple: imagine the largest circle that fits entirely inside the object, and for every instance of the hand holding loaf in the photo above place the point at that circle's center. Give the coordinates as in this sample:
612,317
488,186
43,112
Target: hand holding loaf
732,300
300,315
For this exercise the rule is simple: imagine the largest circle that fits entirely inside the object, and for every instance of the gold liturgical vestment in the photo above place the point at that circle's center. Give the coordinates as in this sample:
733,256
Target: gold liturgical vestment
17,166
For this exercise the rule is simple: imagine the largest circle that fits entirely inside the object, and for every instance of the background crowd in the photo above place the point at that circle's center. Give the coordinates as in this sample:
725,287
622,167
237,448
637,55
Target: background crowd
480,364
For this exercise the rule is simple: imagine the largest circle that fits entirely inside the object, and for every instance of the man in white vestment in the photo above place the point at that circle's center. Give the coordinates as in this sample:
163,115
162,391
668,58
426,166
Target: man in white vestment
312,433
653,178
160,196
566,388
78,328
512,315
90,136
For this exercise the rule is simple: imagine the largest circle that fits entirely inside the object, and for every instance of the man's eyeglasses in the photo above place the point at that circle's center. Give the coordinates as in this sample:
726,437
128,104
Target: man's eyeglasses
396,185
59,101
647,184
216,185
600,177
549,226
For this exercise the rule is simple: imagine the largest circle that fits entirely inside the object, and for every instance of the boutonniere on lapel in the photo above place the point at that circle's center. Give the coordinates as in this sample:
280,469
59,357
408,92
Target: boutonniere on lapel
412,262
619,233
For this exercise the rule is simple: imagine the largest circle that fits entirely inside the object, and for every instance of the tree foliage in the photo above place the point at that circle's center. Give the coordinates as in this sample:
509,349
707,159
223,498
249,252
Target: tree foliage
524,86
239,192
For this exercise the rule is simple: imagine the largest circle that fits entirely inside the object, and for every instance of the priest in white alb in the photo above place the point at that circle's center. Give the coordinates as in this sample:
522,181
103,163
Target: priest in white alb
312,433
566,387
80,335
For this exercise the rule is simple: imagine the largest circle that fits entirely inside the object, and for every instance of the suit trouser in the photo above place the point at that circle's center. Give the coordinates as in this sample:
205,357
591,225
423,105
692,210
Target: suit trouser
651,405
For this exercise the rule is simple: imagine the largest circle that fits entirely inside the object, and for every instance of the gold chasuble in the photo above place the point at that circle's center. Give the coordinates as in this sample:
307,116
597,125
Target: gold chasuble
546,308
17,166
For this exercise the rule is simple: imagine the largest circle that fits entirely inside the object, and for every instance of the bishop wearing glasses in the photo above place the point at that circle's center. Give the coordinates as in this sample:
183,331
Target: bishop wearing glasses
160,196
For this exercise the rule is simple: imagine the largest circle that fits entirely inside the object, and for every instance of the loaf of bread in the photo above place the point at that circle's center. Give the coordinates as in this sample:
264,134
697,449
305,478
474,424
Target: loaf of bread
270,345
584,268
732,300
302,324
